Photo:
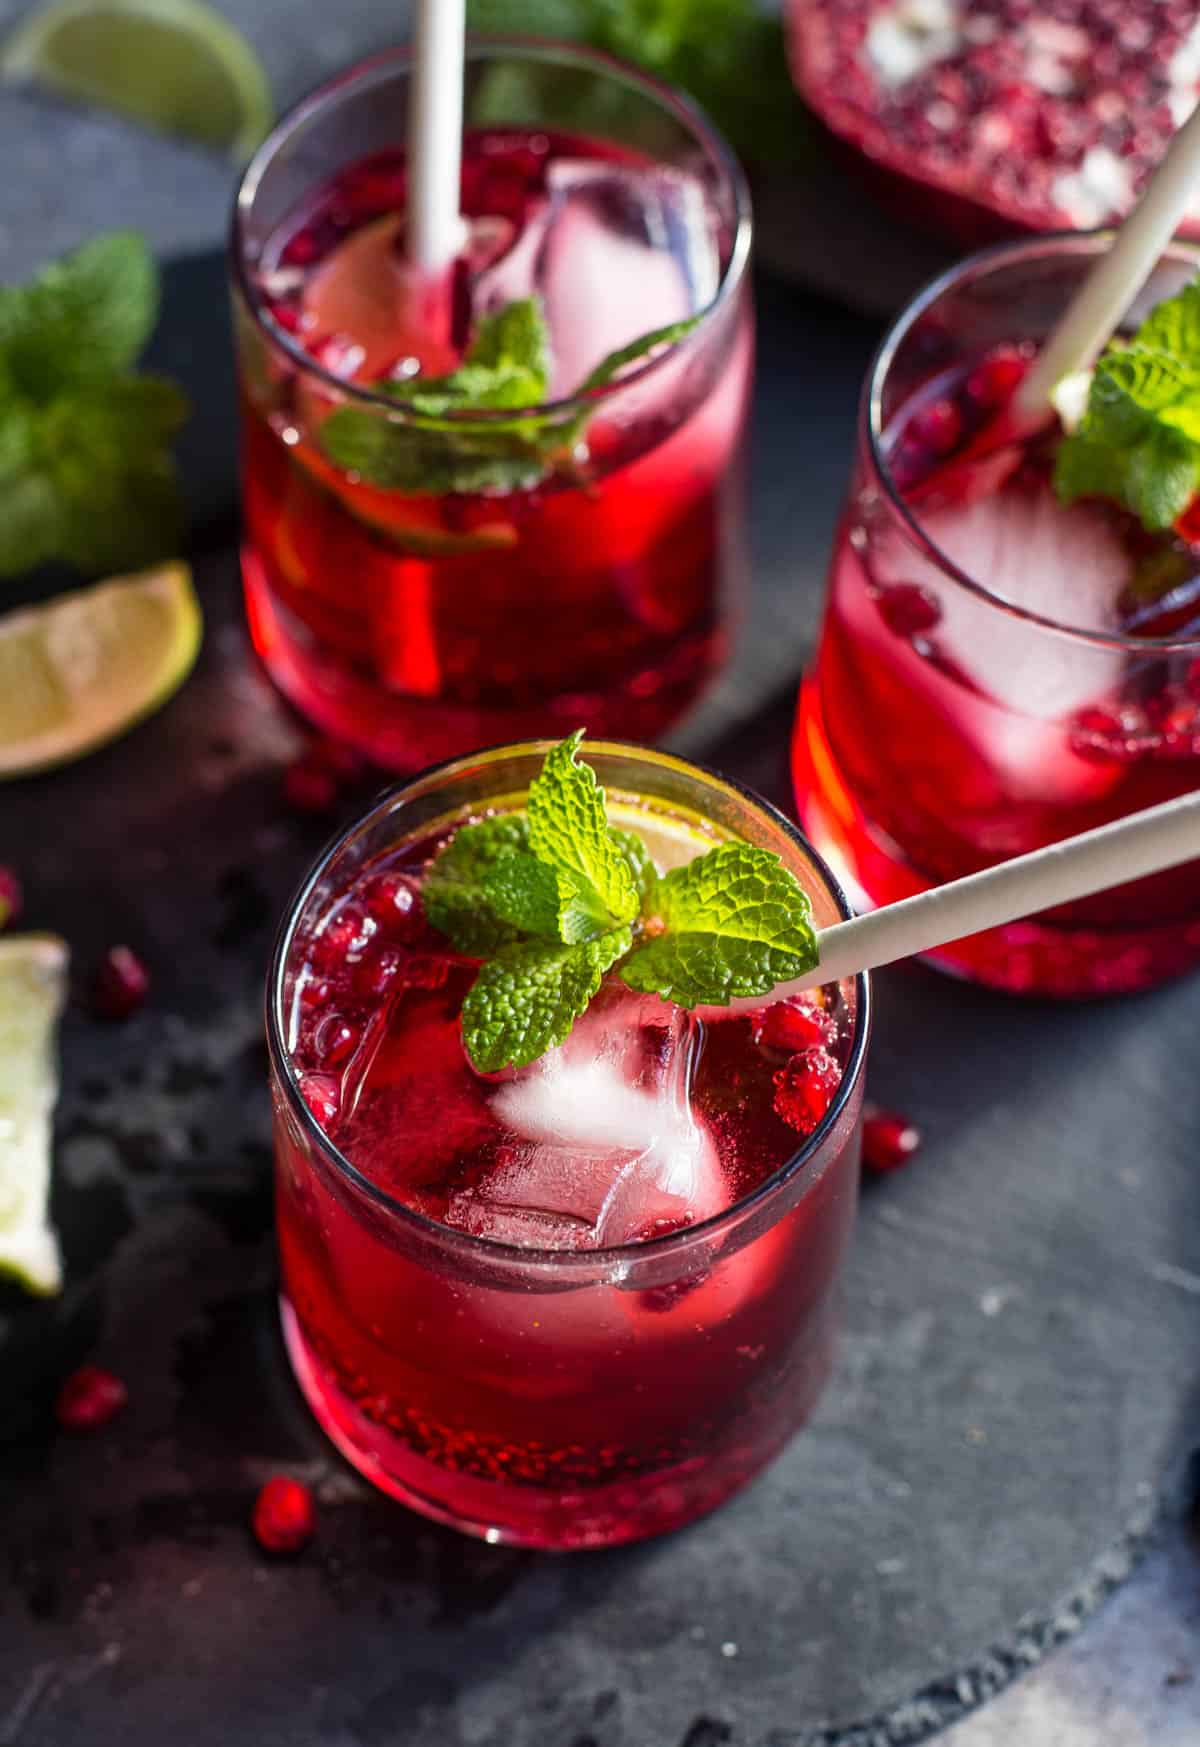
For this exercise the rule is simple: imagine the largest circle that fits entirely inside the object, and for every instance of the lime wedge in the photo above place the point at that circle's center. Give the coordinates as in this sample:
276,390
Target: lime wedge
33,982
176,65
82,669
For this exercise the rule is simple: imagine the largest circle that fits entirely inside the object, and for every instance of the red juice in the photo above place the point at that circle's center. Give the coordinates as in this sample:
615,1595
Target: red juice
997,671
417,623
571,1305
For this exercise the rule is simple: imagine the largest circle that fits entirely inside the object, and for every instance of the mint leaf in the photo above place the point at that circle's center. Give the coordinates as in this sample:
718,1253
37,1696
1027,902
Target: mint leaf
506,368
738,923
1138,442
454,891
526,999
613,365
707,970
641,866
523,891
83,320
568,827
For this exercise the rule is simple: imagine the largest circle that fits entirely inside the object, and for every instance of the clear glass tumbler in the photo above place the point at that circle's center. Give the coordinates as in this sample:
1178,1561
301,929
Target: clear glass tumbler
944,728
437,599
552,1397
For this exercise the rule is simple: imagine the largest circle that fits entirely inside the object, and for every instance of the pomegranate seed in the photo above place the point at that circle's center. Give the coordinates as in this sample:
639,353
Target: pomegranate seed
313,992
310,786
992,383
89,1398
393,900
284,1519
804,1088
889,1141
376,973
793,1025
10,896
120,985
908,609
937,427
322,1094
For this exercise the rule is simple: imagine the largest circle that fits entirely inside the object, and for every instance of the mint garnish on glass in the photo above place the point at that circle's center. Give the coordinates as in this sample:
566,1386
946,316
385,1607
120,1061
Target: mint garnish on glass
506,370
553,898
85,463
1138,441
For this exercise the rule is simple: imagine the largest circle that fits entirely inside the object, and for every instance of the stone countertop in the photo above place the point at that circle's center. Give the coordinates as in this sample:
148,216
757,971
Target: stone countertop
1131,1678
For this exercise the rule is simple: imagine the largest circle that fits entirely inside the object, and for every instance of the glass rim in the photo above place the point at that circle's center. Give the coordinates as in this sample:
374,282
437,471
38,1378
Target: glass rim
603,1258
977,266
386,64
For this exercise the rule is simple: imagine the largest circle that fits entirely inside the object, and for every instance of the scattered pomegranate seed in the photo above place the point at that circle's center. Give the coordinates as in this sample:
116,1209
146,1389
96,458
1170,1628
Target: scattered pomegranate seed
937,427
89,1398
309,786
10,896
793,1025
889,1141
120,985
284,1517
908,609
804,1088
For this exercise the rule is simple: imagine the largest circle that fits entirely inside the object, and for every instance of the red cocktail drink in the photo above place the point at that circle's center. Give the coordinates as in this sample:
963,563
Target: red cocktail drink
579,1302
419,584
998,669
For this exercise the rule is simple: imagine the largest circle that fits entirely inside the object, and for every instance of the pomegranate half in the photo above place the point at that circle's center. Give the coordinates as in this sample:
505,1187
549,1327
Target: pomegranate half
1006,114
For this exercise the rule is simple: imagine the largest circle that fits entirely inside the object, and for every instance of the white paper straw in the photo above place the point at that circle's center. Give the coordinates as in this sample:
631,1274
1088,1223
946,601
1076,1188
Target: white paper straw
435,230
1113,283
1143,843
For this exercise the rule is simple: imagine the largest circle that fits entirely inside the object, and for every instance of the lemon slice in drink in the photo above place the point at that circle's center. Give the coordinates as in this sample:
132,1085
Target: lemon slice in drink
176,65
86,666
33,981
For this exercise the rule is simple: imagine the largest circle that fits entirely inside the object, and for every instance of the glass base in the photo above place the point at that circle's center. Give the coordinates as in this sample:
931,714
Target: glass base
406,731
1033,957
522,1516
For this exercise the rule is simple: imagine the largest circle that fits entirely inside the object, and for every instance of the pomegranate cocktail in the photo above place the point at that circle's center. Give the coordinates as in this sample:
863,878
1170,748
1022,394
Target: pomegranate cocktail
510,502
1011,647
559,1233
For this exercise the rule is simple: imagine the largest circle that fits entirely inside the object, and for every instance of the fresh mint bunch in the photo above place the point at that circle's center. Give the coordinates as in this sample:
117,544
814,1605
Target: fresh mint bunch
85,464
728,54
554,898
1138,442
506,370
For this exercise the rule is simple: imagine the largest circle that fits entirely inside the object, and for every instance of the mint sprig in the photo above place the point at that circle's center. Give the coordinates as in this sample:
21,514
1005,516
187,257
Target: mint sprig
506,369
1138,442
85,465
554,898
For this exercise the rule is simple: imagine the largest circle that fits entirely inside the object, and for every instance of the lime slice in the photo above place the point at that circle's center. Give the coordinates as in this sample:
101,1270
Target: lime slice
82,669
33,982
176,65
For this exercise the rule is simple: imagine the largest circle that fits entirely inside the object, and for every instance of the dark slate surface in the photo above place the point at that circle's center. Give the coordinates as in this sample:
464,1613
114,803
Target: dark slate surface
1018,1387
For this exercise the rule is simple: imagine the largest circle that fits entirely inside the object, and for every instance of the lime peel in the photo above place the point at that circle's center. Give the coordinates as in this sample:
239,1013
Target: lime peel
85,666
33,983
175,65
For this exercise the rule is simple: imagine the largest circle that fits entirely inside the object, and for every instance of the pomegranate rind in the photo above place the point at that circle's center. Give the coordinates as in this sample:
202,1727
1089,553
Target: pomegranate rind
960,199
33,987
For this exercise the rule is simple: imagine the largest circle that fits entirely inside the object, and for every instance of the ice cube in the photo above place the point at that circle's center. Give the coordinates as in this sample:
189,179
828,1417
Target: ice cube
602,1142
1026,683
614,251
